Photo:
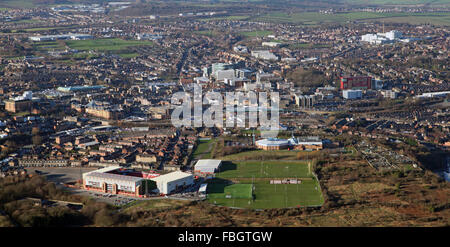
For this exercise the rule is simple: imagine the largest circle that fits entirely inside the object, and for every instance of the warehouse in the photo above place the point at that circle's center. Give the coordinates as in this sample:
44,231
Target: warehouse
307,143
207,166
172,182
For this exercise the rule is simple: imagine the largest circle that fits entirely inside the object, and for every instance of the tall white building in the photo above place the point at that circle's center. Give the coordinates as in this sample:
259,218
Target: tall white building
225,74
382,38
352,94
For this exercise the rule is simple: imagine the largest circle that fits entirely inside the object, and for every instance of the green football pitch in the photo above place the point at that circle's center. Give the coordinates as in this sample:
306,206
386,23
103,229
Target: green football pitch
307,193
264,169
220,190
263,194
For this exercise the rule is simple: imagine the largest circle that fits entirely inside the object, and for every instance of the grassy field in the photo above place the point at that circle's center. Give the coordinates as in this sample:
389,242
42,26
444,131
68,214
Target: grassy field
40,29
203,150
264,169
265,195
128,55
48,46
307,46
18,3
398,2
263,155
226,18
220,190
259,33
105,44
315,18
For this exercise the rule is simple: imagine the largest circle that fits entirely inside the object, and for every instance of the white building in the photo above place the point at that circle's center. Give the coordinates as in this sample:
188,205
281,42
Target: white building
201,80
225,74
27,95
389,94
271,44
148,36
352,94
207,166
433,94
265,55
394,34
240,49
168,183
61,37
382,38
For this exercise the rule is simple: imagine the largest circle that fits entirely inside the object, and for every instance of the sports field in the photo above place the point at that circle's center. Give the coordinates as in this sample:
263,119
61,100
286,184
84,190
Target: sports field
220,190
105,44
264,169
264,195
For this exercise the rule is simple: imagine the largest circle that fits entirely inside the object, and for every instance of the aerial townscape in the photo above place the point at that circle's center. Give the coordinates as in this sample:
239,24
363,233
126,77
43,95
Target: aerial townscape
355,95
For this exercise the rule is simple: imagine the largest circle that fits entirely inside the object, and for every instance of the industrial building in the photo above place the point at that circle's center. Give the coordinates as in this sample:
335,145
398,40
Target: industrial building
172,182
84,88
61,37
433,94
307,143
207,166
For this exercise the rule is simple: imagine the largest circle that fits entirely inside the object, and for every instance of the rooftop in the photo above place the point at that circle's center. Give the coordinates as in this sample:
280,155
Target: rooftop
113,176
172,176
